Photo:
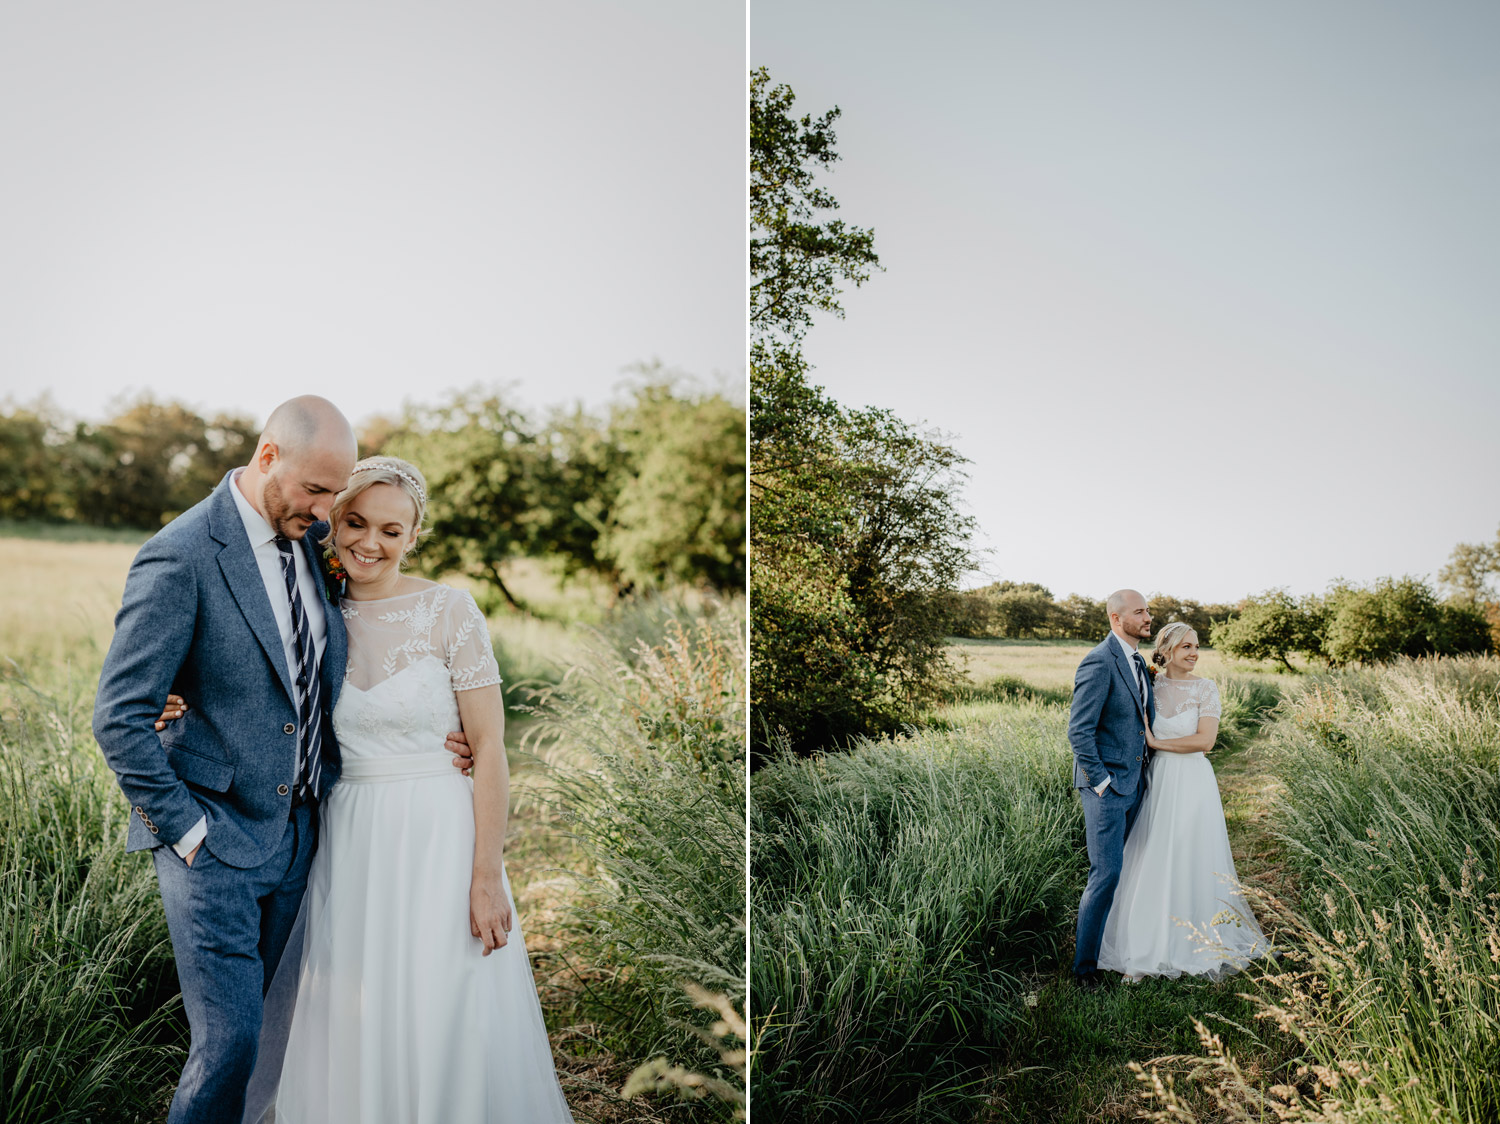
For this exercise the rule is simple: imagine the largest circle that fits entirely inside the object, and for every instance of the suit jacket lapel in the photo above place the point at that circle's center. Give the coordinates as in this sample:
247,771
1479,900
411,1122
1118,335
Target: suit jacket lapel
242,575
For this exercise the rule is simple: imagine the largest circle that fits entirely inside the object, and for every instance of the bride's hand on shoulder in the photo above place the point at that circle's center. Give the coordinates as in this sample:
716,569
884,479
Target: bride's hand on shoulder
489,911
176,707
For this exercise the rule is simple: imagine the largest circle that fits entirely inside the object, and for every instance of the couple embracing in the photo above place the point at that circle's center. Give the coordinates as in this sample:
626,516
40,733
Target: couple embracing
1161,897
334,887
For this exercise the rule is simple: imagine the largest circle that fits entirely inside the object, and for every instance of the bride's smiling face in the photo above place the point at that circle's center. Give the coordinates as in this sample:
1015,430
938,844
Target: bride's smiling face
1184,657
374,531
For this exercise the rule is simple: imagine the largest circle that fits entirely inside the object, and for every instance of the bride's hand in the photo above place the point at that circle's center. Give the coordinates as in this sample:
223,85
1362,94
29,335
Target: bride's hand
174,710
489,912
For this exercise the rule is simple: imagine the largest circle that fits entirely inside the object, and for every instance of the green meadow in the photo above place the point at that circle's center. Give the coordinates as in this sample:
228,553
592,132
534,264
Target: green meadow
625,730
913,903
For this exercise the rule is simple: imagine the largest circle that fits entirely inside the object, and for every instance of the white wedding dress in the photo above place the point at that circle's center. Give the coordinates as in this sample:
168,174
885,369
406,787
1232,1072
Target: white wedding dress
1178,907
399,1018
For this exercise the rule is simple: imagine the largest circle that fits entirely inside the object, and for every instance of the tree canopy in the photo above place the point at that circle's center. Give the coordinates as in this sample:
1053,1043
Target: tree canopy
856,530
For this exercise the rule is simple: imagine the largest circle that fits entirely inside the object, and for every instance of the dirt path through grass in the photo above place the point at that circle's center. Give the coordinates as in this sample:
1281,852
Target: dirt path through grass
1248,790
1068,1062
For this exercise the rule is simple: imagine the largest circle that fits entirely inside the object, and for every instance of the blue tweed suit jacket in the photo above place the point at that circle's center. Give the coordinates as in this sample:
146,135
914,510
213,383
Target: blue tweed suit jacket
1107,724
196,620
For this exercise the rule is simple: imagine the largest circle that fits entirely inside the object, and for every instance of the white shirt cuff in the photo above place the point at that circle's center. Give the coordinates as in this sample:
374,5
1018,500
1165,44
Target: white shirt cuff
1100,790
195,835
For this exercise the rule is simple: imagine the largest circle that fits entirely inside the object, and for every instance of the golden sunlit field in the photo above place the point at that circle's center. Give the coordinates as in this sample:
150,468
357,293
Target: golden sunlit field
1050,664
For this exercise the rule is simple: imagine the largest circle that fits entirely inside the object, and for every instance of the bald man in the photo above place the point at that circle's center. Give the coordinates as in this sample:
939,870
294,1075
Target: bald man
226,606
1113,704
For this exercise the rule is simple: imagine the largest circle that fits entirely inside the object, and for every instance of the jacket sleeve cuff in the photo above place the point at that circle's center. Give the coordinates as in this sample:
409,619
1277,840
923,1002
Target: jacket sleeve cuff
195,835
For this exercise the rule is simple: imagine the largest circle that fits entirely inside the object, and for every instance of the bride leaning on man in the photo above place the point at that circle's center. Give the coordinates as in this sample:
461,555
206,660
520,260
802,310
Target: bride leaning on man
341,920
1162,897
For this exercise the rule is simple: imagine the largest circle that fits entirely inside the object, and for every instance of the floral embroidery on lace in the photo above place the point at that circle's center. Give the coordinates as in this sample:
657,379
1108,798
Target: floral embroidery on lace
408,656
1175,696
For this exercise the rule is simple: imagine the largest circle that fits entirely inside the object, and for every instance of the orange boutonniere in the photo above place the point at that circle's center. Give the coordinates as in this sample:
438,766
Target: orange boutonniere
334,575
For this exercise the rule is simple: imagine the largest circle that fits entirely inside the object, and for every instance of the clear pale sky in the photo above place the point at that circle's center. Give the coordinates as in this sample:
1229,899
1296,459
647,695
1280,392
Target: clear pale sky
229,204
1206,293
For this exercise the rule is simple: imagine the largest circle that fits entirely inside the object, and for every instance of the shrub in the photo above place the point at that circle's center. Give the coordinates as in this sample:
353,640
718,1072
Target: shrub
648,774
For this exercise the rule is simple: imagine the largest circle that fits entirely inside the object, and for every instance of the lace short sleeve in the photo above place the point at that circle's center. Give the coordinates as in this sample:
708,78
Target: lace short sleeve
466,645
1208,705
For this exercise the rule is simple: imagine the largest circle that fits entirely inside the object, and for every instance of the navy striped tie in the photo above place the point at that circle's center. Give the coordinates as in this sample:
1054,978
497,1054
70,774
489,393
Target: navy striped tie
309,716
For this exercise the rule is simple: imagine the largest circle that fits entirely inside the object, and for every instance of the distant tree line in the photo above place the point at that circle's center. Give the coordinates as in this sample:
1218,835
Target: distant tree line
143,467
1357,624
648,492
1028,611
1347,624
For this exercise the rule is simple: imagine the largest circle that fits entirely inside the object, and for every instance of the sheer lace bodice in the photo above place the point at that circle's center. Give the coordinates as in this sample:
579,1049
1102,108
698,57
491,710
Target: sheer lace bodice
1180,703
408,655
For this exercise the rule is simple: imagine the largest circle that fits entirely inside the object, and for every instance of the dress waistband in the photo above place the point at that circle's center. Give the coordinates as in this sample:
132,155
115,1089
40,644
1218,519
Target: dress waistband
397,767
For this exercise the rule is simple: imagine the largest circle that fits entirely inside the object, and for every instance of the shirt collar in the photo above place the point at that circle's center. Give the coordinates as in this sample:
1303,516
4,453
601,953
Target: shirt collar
256,527
1130,653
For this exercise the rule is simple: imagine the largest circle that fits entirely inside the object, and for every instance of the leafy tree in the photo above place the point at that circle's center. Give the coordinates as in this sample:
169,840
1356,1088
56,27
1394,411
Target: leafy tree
857,538
1083,618
32,485
1015,610
152,462
652,494
1399,617
680,516
1200,618
1470,571
797,258
1272,626
486,503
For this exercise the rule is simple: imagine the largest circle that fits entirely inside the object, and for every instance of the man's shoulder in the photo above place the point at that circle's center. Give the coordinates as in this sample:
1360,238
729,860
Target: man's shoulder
1100,651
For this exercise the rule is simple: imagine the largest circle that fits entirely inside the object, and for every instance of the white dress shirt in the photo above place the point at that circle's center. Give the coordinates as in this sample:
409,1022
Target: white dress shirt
1140,688
263,542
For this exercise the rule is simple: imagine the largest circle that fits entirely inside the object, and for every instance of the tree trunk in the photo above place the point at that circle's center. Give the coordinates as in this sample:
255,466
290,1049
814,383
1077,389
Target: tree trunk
495,577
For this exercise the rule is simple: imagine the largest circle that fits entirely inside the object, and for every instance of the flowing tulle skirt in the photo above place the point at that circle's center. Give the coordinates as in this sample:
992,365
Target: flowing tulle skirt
1178,907
399,1018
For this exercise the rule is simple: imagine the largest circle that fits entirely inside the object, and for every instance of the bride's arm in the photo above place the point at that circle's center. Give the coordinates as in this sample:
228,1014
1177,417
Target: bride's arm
483,713
1200,742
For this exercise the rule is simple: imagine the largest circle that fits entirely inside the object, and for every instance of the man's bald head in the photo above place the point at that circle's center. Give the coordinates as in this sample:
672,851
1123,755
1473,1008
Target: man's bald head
303,459
1129,616
307,423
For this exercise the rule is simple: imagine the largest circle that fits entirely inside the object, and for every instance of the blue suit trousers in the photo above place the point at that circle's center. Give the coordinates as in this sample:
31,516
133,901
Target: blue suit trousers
1107,821
229,927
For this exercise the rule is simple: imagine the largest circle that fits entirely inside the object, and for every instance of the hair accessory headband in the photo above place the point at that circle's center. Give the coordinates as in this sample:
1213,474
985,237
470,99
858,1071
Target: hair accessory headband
408,477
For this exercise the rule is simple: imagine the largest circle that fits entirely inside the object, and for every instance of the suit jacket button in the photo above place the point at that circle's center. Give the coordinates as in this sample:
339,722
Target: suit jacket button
282,790
289,728
140,811
1137,758
153,829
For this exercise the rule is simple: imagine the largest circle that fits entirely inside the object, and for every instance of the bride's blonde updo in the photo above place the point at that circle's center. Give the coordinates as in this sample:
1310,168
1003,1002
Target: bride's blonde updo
383,470
1168,639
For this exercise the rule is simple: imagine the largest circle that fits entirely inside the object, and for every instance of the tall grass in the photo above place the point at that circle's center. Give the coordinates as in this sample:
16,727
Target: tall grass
1391,817
900,891
86,980
647,752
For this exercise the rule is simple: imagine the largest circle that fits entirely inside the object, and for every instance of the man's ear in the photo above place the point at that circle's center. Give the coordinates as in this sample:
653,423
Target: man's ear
267,455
